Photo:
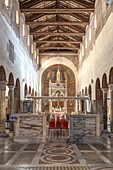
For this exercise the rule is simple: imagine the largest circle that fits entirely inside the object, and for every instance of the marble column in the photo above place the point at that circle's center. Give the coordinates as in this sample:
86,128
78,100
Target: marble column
105,90
11,94
97,125
88,105
65,106
50,106
78,106
16,101
2,106
111,107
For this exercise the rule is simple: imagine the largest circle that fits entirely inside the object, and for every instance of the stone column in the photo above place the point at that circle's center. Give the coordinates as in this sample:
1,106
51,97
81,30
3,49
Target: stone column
44,127
16,101
111,107
105,90
50,106
2,106
89,106
65,106
11,94
78,106
97,125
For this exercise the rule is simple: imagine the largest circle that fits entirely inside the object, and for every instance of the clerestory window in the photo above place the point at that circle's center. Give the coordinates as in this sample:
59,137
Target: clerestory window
107,2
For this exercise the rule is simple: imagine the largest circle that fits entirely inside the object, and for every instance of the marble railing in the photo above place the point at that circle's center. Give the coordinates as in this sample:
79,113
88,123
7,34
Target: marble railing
82,126
30,127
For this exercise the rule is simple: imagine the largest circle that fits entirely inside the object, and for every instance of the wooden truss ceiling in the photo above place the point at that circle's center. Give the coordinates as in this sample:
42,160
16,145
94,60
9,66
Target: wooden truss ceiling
57,25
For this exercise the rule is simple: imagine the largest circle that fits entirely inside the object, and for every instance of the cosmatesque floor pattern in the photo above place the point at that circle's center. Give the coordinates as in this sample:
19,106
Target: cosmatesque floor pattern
56,155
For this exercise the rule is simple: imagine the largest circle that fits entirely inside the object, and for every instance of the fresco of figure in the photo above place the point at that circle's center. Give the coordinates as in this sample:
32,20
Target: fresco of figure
49,75
58,75
65,75
53,76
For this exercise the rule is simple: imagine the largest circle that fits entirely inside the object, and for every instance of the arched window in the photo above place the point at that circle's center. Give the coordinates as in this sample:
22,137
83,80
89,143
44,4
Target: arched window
89,33
85,42
107,2
17,17
95,22
32,48
23,30
7,3
28,40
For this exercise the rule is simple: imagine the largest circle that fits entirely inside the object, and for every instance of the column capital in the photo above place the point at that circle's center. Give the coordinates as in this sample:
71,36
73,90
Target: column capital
2,85
11,87
105,89
111,87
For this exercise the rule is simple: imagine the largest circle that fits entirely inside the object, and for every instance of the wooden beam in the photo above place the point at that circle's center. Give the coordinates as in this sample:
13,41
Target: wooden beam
58,23
57,33
29,3
57,42
58,98
57,10
58,48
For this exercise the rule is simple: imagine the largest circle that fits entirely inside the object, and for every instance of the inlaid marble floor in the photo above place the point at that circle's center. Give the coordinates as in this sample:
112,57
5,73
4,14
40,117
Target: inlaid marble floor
57,155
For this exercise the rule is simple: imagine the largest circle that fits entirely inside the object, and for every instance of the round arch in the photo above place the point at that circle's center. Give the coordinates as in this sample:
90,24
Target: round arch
29,89
90,91
111,76
2,74
53,61
25,90
104,81
82,92
33,92
85,91
17,96
18,83
11,79
99,94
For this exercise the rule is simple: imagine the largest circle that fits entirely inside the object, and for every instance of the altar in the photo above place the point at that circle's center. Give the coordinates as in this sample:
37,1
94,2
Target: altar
58,89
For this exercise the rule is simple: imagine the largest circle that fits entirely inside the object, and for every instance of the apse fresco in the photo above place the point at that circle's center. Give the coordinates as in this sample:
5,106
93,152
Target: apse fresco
65,73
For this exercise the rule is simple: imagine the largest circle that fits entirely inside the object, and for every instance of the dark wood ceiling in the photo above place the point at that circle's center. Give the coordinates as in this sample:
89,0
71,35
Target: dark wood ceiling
57,25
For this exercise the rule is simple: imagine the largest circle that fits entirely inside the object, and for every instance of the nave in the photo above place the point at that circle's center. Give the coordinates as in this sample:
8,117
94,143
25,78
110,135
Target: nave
57,154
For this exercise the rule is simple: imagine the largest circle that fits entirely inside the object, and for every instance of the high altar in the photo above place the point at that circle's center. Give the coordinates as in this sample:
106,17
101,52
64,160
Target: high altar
58,89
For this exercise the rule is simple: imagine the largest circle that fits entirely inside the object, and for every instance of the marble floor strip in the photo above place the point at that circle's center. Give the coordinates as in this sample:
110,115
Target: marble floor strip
36,158
100,155
10,162
57,155
78,154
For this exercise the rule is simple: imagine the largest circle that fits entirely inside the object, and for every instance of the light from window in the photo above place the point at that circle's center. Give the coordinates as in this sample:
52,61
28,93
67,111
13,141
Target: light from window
32,48
35,53
28,40
37,56
23,30
7,3
95,22
86,42
82,50
89,34
80,55
107,2
17,18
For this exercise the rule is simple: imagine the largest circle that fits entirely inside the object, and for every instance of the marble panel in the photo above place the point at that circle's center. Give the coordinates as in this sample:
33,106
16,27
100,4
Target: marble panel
30,126
82,126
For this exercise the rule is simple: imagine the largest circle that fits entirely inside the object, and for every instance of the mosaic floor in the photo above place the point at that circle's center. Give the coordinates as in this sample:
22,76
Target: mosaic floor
56,155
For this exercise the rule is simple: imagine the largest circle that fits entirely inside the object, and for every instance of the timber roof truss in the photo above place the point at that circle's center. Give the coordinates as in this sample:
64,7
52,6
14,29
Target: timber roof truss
57,25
